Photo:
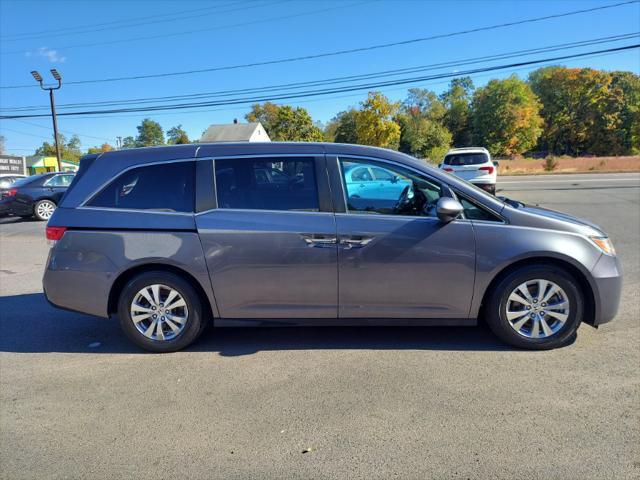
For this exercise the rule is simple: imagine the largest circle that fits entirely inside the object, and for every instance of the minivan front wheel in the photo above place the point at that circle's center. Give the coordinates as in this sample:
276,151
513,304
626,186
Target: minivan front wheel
536,307
160,312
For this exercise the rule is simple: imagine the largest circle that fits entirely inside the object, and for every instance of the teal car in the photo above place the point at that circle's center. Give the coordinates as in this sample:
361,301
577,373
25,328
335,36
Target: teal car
375,184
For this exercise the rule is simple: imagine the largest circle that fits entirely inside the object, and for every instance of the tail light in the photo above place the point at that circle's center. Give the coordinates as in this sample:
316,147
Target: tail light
54,234
489,170
10,193
448,169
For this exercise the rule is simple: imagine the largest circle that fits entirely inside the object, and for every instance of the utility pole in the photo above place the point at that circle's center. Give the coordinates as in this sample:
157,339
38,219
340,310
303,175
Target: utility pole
58,78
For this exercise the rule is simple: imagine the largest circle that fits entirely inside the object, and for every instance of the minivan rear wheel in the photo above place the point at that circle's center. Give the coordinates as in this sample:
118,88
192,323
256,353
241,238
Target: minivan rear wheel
160,312
537,307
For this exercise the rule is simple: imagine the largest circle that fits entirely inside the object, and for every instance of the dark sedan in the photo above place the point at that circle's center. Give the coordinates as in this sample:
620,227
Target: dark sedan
37,195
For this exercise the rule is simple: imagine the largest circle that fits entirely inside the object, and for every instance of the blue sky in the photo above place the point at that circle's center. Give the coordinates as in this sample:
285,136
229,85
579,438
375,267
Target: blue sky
230,32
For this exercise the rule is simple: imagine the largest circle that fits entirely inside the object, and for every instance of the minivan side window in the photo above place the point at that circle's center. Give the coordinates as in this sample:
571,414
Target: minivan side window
396,190
267,184
166,187
475,212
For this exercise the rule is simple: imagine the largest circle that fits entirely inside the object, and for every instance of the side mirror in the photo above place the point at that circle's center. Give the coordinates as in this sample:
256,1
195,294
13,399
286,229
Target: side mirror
395,179
496,163
448,209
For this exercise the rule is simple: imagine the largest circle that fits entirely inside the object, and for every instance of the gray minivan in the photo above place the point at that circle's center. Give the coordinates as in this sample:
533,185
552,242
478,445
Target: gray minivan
171,239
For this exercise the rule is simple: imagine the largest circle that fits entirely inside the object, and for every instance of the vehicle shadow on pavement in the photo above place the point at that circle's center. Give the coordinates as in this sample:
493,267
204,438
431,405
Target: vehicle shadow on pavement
30,325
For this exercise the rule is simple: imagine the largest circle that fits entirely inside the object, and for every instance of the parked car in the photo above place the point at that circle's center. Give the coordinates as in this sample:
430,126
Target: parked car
373,182
7,179
474,165
37,195
173,238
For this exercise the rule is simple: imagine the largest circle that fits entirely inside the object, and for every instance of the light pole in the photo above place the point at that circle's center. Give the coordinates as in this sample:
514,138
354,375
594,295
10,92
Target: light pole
57,77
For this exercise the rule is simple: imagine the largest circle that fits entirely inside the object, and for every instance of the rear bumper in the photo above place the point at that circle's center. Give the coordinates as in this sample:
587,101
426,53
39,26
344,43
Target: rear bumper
607,277
483,181
80,290
11,207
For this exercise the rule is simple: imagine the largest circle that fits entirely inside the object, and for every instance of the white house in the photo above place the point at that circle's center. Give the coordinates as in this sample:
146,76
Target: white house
235,132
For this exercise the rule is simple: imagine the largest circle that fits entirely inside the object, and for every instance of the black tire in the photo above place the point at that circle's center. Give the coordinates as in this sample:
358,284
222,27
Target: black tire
36,209
496,307
193,326
492,189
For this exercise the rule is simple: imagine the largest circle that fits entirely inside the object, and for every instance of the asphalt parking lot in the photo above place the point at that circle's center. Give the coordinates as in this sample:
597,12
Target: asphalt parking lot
78,401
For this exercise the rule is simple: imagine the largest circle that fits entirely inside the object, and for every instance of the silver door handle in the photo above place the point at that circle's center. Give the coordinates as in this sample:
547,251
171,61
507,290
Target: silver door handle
318,240
355,242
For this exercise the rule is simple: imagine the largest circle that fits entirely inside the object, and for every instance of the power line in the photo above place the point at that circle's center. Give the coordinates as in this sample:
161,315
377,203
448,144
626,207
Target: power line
23,133
313,93
2,129
172,19
113,22
340,52
337,80
208,29
240,106
69,132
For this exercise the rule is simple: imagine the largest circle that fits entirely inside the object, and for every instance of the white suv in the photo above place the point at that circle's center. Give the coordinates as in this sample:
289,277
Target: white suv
472,164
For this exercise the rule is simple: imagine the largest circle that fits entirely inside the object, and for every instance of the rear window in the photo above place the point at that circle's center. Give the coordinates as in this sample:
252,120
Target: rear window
461,159
166,187
26,181
267,184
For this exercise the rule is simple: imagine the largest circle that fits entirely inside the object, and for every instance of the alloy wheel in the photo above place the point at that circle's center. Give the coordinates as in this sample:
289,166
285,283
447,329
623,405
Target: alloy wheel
537,308
159,312
45,209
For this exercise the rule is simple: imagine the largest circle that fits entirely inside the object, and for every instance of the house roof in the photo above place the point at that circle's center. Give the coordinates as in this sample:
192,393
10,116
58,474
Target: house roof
232,132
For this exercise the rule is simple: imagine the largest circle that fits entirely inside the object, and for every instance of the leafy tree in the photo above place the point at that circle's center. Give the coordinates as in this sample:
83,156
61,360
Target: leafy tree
588,110
627,85
457,119
177,135
295,125
69,150
423,138
285,123
105,147
129,142
506,116
569,97
375,124
264,113
342,128
149,134
422,132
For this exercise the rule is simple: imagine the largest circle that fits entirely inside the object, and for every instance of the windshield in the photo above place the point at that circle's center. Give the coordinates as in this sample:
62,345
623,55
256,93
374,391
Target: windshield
461,159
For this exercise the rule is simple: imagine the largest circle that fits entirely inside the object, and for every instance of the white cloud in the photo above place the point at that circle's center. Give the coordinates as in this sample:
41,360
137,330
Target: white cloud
51,55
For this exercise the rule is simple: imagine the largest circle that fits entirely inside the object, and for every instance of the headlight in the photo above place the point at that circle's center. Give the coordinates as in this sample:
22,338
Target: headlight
604,244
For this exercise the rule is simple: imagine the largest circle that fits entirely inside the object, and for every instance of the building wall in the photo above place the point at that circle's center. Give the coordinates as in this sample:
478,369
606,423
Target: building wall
259,135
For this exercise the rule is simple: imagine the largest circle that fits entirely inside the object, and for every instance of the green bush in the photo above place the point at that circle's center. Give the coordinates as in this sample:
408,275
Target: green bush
550,164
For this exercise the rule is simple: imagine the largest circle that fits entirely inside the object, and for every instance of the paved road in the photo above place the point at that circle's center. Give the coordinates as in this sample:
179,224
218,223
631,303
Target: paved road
77,401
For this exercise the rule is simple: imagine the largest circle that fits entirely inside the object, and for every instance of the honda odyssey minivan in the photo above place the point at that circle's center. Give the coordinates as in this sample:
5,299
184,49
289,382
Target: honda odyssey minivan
171,239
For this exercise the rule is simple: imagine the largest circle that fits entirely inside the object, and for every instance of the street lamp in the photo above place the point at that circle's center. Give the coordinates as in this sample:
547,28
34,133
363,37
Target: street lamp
56,75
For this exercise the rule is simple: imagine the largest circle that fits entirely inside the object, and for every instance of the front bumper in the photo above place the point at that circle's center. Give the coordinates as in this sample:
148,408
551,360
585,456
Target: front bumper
607,279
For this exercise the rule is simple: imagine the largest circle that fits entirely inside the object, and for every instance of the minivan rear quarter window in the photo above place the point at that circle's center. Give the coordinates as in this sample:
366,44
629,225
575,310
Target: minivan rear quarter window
460,159
267,184
167,187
